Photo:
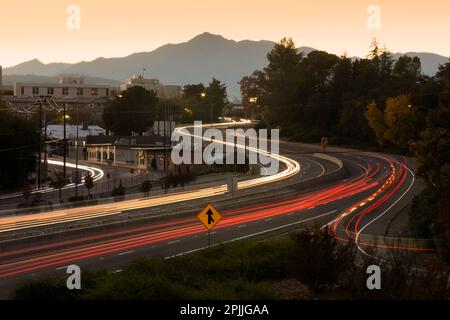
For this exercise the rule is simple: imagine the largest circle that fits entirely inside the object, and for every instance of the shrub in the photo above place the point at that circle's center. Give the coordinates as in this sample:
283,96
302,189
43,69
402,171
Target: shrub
119,191
318,260
146,186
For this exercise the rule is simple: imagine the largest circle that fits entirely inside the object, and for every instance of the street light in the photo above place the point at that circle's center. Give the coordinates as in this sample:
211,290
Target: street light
253,101
203,95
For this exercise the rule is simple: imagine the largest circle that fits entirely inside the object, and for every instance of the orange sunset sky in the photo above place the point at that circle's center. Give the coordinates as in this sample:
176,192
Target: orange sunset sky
37,28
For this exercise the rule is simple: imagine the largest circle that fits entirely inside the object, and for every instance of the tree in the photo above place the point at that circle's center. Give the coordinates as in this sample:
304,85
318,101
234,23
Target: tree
58,181
133,111
365,82
386,63
374,54
407,70
430,214
253,86
375,119
196,107
216,94
432,150
199,100
81,115
318,260
119,192
146,187
19,144
322,94
443,78
400,120
342,76
397,125
193,91
88,182
282,79
352,122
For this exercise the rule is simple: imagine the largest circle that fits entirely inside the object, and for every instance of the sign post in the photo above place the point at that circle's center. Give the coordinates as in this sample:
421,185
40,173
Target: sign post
209,217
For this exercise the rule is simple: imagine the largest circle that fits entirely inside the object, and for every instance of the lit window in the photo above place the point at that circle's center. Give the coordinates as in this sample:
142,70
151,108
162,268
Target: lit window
94,91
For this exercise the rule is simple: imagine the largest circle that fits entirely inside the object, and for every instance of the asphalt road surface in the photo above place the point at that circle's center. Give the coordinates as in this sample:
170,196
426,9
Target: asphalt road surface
356,206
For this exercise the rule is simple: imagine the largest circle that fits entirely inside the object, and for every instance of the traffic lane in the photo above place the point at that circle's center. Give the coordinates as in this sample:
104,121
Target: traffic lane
378,221
85,213
114,262
247,228
61,242
34,262
155,226
374,215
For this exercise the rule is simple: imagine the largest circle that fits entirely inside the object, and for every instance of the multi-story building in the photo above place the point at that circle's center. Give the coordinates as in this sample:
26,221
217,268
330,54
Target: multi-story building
161,90
70,87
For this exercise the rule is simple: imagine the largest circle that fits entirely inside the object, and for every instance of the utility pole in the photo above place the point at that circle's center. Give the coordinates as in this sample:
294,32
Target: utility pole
64,143
76,157
235,149
40,145
45,137
165,138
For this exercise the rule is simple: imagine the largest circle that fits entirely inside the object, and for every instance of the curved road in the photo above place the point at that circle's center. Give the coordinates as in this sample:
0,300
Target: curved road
359,204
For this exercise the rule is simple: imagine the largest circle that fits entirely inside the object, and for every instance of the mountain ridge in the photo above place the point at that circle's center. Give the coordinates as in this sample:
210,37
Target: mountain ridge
197,60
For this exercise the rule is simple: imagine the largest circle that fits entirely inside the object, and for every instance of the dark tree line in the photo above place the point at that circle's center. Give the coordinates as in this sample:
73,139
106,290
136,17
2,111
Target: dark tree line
372,102
322,94
19,143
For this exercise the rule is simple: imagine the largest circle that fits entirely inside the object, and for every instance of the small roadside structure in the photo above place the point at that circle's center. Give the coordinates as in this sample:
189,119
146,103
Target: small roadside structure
142,152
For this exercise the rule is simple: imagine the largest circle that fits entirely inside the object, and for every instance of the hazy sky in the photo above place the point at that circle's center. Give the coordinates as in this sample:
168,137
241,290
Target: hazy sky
38,29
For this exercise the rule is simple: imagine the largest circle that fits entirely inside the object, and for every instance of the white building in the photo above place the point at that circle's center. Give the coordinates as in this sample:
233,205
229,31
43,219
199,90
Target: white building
161,90
68,87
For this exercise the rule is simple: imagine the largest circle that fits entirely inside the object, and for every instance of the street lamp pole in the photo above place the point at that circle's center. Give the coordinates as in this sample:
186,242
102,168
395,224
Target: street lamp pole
204,95
76,157
211,110
165,138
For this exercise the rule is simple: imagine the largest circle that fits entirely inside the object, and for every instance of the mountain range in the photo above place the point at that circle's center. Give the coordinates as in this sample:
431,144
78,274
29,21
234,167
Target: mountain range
197,60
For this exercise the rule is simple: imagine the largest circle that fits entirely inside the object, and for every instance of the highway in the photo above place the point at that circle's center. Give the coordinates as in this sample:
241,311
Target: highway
357,203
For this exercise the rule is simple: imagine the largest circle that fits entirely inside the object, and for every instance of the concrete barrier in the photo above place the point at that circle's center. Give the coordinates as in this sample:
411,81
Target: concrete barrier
327,157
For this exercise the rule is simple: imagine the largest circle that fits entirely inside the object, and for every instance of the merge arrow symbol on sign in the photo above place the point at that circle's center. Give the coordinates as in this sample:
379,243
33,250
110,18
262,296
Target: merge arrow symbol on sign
209,217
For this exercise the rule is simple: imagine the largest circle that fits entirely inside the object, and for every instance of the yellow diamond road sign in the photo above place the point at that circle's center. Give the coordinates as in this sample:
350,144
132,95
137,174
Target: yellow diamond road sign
209,217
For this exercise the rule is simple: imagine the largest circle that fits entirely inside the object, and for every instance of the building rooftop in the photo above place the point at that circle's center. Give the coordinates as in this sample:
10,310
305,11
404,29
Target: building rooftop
132,141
